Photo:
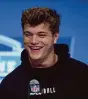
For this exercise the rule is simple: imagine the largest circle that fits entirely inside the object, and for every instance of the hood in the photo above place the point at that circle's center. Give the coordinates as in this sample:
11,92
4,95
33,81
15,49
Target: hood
62,50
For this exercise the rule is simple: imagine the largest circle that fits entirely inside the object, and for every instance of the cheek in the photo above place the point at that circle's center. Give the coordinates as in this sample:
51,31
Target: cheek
48,40
48,44
26,40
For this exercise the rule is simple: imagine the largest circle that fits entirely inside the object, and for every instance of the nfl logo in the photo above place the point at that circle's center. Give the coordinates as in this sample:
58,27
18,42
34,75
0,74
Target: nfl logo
34,86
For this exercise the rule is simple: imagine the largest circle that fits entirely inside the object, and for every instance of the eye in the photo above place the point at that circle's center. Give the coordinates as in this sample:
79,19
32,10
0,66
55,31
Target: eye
42,35
27,34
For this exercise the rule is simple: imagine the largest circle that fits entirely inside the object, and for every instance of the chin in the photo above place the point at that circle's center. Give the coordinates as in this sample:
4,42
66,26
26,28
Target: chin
35,57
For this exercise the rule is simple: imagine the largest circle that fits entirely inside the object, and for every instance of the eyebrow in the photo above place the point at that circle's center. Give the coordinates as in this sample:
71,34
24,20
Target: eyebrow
26,32
41,32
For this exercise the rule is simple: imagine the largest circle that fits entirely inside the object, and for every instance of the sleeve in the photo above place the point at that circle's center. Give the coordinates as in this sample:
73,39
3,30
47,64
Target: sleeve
85,84
4,90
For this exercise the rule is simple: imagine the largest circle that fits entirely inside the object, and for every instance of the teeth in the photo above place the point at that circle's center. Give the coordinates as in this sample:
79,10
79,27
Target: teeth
35,48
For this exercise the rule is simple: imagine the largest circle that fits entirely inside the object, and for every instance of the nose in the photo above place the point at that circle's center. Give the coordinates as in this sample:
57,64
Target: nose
34,40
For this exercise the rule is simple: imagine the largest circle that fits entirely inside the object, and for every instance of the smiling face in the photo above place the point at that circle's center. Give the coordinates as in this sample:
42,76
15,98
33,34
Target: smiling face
39,41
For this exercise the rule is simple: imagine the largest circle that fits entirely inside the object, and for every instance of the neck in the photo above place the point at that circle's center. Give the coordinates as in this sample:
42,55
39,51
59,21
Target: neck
45,63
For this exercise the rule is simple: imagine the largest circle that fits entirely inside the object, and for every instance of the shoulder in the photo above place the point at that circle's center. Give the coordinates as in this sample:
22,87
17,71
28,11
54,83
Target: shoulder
77,64
77,68
11,77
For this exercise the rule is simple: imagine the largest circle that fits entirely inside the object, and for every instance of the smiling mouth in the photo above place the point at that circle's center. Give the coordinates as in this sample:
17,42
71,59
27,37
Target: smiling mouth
35,49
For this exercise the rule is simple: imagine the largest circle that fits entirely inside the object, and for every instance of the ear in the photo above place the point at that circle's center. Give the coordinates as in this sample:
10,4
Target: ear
56,36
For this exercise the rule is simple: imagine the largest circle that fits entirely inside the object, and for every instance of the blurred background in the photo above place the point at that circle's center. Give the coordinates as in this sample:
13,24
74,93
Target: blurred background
73,29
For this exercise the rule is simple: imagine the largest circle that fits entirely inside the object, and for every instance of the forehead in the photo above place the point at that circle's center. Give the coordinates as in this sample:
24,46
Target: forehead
39,28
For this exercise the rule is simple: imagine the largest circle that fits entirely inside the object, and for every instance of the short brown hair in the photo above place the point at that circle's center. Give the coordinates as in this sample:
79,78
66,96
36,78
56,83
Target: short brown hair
38,15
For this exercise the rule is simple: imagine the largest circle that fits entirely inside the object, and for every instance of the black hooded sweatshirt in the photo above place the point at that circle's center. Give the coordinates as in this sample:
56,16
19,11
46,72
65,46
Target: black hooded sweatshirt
67,79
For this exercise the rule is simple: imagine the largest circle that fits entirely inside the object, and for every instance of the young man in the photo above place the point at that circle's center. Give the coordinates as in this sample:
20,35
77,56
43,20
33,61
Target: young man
47,71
